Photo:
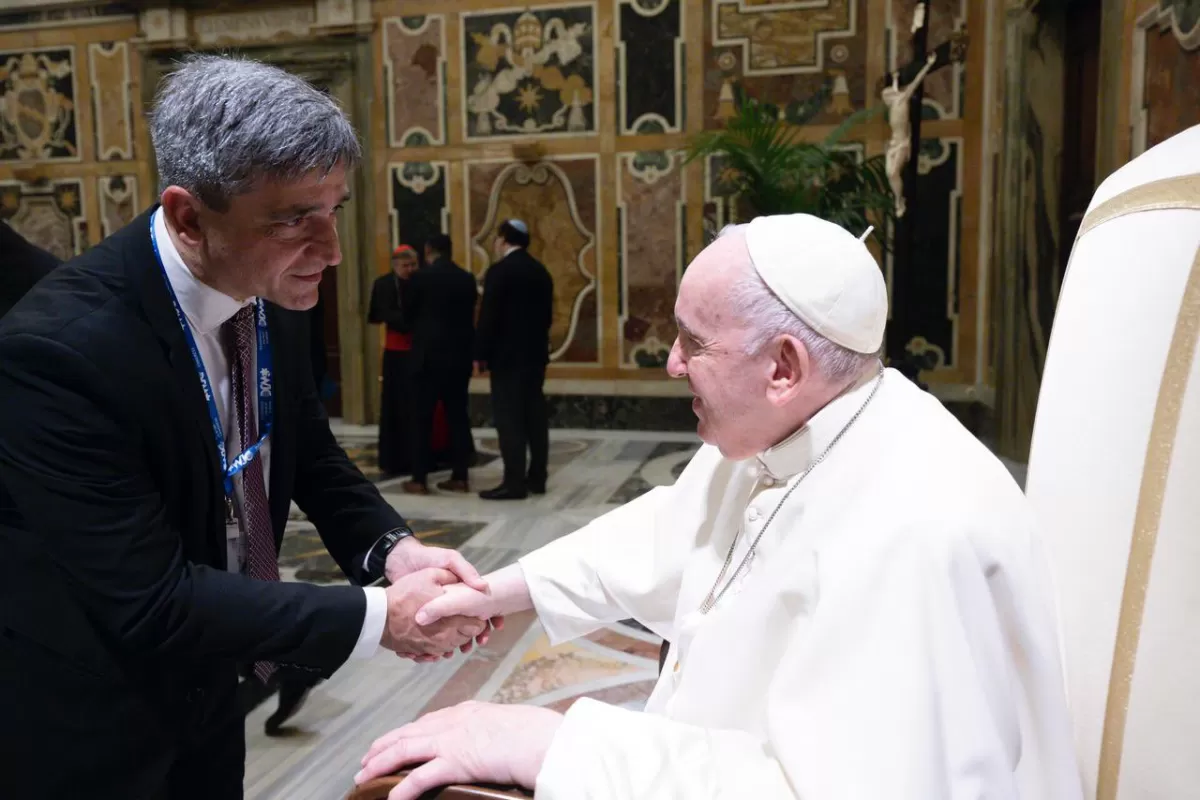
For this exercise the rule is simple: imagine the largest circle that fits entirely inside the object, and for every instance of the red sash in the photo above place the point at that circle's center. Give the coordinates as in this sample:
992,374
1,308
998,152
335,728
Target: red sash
398,341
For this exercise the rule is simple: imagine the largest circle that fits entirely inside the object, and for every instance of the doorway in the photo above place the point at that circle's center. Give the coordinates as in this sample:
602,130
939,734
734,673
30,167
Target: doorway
1081,98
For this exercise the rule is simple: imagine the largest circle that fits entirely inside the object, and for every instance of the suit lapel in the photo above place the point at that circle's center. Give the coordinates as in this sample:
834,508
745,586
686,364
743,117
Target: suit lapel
286,396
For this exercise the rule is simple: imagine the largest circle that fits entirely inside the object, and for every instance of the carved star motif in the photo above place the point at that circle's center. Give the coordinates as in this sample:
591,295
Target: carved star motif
529,98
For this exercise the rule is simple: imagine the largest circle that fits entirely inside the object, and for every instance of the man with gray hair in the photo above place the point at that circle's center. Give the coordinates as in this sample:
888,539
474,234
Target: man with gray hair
855,596
159,418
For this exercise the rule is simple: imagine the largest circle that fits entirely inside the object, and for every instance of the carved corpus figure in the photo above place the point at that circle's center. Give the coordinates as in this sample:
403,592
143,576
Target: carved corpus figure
899,148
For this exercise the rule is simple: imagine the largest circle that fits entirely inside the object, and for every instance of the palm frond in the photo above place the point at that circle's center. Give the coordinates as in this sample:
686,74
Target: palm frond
773,171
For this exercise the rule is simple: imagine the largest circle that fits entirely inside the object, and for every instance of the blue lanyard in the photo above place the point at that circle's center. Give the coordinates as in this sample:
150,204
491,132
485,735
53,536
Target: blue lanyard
265,384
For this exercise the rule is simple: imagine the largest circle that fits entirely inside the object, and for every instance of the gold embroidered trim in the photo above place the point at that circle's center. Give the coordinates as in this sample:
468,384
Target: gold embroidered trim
1148,515
1182,191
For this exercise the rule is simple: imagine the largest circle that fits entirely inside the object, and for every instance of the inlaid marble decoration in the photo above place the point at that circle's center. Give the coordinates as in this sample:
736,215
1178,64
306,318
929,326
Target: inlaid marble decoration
943,88
928,328
80,14
419,197
807,58
49,214
557,200
37,105
529,73
720,202
112,106
118,202
414,60
650,66
650,202
1166,72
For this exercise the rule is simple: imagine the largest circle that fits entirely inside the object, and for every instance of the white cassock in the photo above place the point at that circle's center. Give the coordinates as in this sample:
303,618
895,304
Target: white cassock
892,640
1114,477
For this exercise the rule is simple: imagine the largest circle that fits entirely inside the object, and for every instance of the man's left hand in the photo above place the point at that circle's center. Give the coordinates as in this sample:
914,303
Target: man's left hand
410,556
470,742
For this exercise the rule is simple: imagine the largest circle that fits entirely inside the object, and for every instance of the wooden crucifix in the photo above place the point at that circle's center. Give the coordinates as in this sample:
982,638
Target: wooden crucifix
903,93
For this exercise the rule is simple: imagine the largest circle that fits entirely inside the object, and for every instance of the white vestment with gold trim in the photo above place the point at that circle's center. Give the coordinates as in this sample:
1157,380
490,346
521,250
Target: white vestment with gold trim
1114,478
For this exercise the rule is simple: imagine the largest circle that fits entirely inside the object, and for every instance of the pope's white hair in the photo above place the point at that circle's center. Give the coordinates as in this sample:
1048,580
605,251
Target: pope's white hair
768,318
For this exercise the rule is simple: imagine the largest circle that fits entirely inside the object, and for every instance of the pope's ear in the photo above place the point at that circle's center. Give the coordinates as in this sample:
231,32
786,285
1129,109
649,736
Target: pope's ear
791,368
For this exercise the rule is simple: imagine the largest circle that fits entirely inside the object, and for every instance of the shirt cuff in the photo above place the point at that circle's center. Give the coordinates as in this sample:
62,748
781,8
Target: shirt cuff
373,622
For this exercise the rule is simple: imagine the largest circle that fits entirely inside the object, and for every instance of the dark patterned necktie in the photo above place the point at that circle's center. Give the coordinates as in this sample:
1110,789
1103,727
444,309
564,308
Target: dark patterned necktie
261,562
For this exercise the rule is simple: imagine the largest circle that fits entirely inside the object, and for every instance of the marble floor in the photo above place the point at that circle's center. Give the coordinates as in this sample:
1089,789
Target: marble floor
591,472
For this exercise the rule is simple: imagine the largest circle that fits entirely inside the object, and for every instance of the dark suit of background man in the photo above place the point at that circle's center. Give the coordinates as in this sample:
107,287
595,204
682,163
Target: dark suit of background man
513,344
22,264
133,587
440,301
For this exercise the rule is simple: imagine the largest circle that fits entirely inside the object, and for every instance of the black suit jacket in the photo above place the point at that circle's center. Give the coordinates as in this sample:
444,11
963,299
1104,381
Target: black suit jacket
114,597
518,307
440,304
22,265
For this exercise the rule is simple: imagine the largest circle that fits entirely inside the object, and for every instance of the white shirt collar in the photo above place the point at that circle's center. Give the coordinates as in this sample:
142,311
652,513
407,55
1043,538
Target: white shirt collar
206,309
797,452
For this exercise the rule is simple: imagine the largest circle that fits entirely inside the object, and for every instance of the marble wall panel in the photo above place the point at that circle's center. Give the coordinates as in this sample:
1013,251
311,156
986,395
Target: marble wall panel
943,88
928,328
419,199
112,105
557,200
529,73
1169,39
81,14
809,59
37,105
414,62
650,66
651,253
118,202
719,203
49,214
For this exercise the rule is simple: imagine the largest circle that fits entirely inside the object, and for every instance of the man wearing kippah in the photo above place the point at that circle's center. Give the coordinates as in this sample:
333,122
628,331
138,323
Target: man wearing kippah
513,344
854,592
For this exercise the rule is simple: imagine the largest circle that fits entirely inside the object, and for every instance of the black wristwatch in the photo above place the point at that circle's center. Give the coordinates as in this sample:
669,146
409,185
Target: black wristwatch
377,558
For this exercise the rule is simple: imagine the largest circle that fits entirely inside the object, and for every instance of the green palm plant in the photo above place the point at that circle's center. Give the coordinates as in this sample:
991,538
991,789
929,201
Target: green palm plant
771,171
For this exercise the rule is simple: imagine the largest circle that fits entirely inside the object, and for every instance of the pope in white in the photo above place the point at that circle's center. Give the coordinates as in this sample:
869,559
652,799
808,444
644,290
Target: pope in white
856,597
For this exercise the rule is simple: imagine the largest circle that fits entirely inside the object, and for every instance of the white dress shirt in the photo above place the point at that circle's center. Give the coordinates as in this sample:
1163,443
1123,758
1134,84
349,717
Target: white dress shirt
206,311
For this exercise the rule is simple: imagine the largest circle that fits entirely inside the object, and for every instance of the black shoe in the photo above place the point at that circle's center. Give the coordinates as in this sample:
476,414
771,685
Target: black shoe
503,493
537,488
293,692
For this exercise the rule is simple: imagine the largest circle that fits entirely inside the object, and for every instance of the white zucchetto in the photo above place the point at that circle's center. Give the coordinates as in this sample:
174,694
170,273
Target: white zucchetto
824,274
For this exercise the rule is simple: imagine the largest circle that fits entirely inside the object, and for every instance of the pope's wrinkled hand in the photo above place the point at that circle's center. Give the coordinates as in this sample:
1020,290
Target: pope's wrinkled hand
403,636
459,600
470,742
410,555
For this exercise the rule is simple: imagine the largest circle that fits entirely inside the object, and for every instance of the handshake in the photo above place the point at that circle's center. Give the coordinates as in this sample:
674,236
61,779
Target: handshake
434,609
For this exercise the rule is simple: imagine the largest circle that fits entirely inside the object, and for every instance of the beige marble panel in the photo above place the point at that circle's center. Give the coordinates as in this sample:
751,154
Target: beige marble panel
414,60
112,105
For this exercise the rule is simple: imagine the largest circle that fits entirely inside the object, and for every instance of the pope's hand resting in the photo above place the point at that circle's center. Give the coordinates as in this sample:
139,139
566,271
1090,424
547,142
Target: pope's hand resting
470,742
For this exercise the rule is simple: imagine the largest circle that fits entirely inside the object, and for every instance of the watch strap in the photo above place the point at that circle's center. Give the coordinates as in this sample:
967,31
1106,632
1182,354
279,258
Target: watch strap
377,556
